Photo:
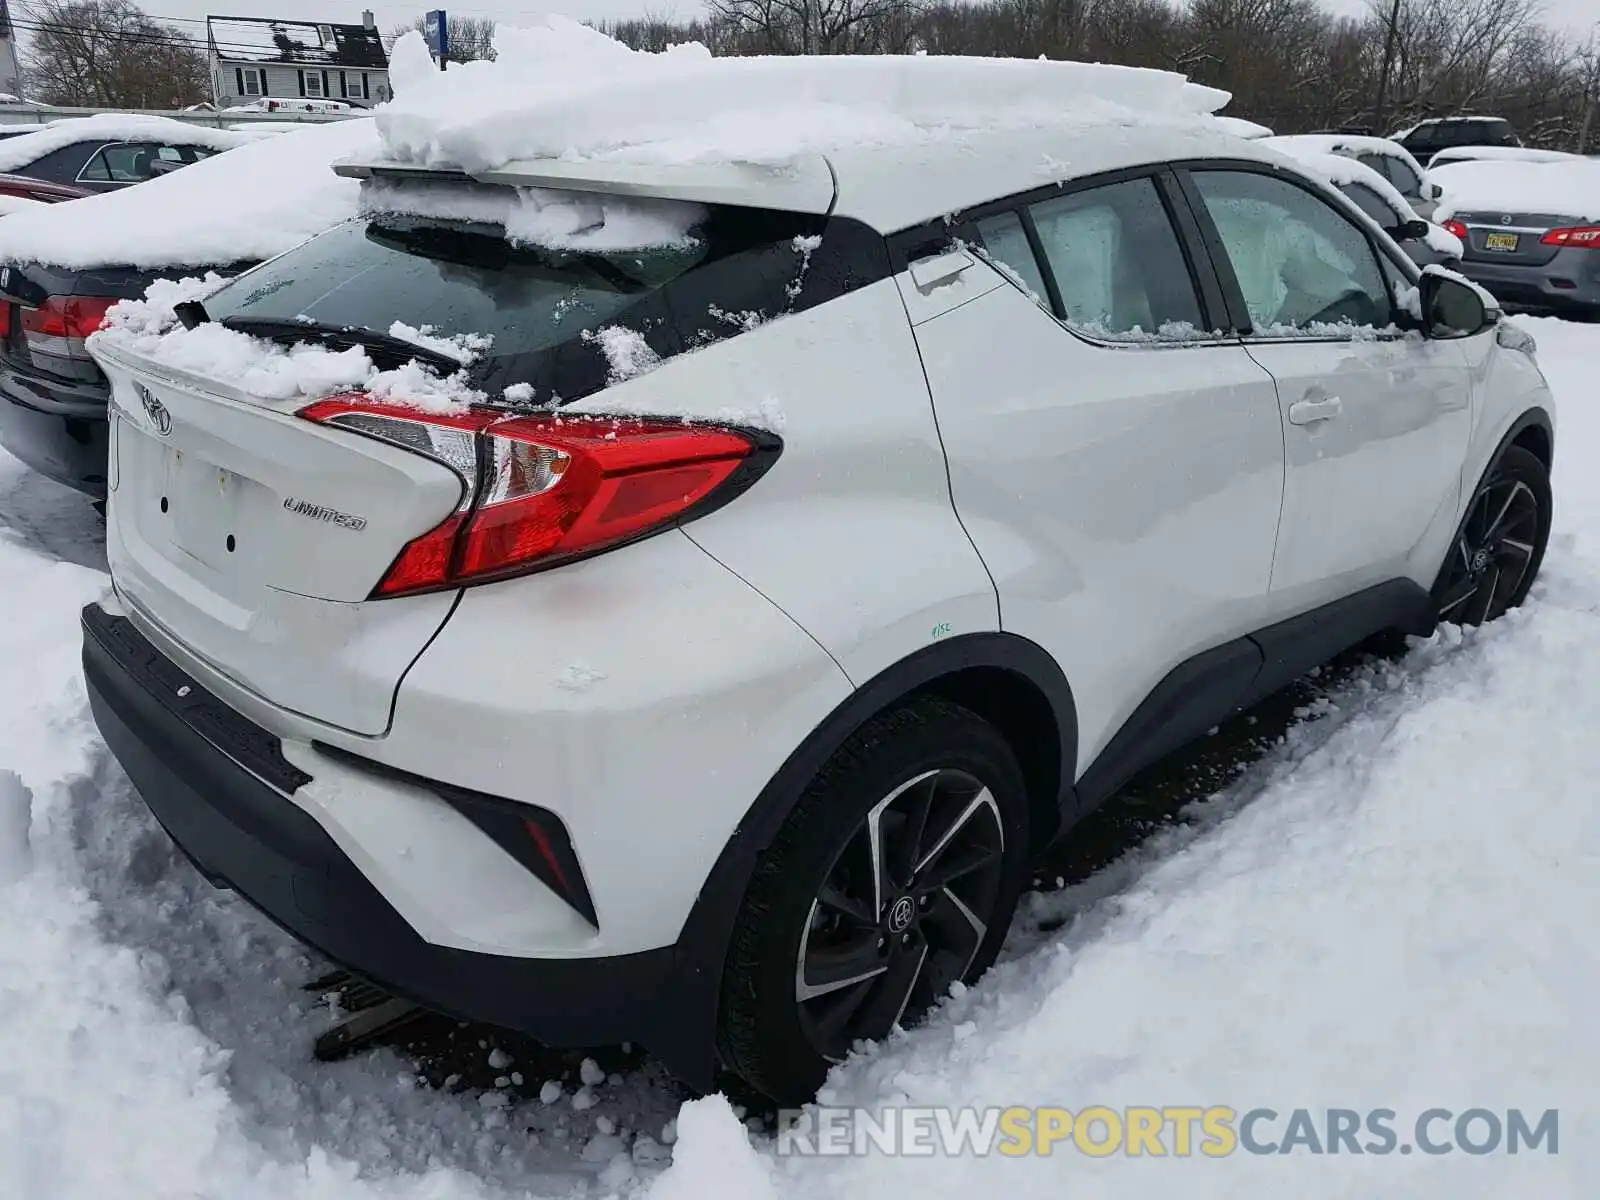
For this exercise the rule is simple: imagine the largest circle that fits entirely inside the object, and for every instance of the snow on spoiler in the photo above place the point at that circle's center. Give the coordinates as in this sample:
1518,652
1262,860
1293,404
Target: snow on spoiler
804,184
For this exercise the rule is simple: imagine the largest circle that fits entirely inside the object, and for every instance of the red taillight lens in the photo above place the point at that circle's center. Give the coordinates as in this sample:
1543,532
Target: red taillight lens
543,489
1457,228
1580,237
67,316
56,328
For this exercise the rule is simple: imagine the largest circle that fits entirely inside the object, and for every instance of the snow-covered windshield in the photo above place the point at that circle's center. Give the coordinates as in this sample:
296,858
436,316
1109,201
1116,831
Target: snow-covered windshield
555,319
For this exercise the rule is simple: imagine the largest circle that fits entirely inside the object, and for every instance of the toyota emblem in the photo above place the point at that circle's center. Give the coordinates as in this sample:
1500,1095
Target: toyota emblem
900,914
160,418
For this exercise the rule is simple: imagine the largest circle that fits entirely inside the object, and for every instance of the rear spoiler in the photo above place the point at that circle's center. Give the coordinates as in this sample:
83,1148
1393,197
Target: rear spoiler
802,185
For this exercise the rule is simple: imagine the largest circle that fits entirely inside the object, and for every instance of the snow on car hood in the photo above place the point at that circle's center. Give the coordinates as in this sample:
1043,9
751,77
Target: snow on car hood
112,127
563,90
259,200
1564,188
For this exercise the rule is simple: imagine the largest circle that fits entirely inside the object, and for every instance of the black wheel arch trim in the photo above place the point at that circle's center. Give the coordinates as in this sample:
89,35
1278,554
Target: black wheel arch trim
703,942
1533,418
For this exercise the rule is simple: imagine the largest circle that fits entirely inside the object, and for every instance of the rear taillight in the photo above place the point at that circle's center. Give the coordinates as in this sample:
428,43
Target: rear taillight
545,489
1457,228
58,326
1580,237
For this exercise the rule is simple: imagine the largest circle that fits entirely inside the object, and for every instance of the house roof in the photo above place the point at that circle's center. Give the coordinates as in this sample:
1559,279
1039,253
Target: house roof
267,40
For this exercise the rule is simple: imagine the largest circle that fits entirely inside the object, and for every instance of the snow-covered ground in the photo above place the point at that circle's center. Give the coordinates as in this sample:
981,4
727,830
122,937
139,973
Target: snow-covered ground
1395,908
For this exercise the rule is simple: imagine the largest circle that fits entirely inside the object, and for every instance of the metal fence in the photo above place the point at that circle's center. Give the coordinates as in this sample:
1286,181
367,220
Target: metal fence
37,114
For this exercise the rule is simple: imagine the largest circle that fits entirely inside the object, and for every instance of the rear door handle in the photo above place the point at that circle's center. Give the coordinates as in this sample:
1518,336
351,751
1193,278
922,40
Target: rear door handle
1309,412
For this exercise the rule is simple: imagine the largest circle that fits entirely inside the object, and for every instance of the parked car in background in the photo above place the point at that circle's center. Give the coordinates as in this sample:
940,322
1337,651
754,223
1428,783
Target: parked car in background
1457,154
292,104
1389,159
1425,243
60,271
1531,231
26,187
1427,138
110,151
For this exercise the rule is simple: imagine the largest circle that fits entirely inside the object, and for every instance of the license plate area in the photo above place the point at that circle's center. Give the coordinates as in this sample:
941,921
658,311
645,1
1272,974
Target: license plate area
1505,243
203,508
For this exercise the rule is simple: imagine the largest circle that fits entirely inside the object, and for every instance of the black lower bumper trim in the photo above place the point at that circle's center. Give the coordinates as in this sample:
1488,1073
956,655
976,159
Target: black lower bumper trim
186,753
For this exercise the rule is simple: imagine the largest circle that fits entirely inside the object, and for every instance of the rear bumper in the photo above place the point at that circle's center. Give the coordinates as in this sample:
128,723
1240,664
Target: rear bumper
61,432
1568,283
220,786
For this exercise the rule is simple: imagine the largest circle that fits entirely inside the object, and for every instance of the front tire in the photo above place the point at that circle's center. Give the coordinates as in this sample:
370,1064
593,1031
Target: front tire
895,876
1500,545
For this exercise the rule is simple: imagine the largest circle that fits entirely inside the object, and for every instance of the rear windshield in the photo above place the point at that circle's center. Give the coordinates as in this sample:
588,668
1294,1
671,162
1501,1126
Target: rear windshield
565,322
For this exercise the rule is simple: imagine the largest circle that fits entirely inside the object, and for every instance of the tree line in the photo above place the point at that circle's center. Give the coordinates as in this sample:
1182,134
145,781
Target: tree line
1290,64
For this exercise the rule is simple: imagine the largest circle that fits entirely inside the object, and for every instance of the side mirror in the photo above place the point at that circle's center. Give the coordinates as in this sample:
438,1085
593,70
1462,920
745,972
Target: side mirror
1451,309
1431,190
1410,231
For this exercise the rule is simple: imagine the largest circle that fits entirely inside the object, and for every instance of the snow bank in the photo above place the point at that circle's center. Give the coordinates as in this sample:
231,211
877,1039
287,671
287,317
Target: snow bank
562,90
254,202
1570,189
271,371
112,127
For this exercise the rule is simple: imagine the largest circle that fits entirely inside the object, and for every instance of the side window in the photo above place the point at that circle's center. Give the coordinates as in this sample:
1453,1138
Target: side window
1007,244
96,169
1302,266
1406,181
129,162
1369,202
1117,263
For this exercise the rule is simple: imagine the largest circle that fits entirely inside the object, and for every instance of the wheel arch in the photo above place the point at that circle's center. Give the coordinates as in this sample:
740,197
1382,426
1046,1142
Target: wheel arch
1006,679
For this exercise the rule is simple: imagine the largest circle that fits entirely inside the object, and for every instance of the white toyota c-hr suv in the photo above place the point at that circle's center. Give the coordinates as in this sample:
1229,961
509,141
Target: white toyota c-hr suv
951,497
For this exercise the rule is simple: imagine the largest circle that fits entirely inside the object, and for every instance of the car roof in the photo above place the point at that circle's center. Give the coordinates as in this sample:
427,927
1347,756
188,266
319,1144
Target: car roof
1336,143
889,188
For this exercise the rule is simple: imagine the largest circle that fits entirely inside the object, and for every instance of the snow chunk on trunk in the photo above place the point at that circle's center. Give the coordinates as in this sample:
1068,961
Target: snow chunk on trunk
150,328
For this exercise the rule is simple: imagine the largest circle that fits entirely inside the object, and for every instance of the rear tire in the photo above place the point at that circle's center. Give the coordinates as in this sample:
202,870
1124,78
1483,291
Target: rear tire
1496,553
896,875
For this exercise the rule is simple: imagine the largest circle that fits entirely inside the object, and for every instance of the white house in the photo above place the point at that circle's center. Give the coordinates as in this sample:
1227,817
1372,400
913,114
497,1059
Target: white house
261,57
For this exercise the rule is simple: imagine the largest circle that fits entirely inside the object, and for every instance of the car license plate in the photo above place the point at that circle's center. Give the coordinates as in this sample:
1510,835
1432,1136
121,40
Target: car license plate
1500,241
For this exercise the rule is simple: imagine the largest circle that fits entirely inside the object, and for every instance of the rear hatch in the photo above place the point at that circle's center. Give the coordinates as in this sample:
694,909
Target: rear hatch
256,537
1513,239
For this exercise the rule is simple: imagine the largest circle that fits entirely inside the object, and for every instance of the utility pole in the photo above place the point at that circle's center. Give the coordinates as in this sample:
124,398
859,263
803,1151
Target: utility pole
1388,64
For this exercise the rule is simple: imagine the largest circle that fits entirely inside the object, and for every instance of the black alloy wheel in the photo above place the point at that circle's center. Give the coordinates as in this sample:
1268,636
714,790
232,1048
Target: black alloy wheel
902,912
1501,542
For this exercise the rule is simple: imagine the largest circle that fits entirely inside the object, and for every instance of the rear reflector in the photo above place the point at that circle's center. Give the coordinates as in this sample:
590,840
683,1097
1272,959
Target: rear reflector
1581,237
545,489
59,325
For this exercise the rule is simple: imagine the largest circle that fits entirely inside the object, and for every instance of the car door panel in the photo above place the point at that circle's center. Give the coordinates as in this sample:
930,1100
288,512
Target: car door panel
1124,499
1375,422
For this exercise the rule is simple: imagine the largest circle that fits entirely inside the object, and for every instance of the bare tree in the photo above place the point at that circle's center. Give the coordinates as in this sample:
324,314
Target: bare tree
467,38
1588,64
819,26
110,54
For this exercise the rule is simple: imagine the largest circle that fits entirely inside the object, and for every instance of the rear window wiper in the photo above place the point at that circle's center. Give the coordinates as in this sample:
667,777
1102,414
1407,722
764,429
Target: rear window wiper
388,352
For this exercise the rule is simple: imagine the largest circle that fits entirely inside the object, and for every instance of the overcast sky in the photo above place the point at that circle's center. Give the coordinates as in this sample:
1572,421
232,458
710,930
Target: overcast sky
1576,15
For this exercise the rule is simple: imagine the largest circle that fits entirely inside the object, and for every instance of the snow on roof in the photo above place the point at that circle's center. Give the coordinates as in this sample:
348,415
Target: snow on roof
564,90
263,39
251,203
1336,143
1568,189
1500,154
111,127
1239,127
1342,171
